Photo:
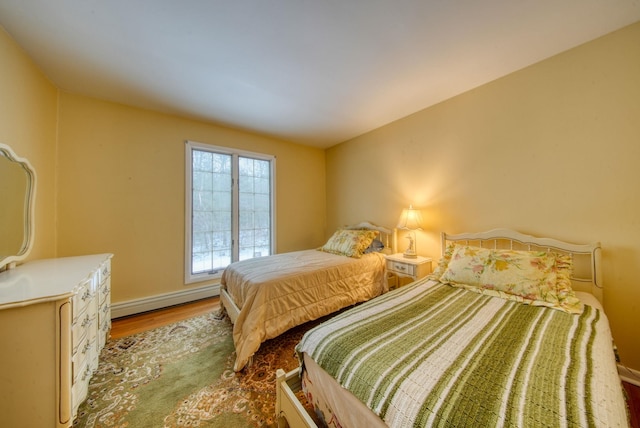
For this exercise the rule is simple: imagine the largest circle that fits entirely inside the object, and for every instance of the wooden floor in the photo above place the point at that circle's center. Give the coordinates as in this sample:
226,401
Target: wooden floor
126,326
136,323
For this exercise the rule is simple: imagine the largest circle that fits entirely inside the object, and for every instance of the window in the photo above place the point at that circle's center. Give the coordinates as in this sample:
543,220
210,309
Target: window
229,204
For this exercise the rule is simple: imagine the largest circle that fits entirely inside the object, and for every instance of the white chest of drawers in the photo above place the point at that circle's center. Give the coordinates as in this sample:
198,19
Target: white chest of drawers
54,321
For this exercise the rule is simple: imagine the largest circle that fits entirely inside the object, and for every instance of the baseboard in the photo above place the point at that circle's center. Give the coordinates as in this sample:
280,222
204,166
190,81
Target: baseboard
629,375
136,306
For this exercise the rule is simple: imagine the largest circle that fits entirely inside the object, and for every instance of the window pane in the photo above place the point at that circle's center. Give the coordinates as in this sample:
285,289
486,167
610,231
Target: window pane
261,202
262,219
202,181
246,184
262,237
221,182
246,202
262,186
255,206
202,161
245,166
211,211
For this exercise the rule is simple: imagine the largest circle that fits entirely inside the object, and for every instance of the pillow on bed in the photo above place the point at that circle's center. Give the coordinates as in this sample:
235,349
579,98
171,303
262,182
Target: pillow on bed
534,277
349,242
442,263
566,295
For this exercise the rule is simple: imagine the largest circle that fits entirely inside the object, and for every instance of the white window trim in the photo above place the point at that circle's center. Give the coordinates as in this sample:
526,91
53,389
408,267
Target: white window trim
190,278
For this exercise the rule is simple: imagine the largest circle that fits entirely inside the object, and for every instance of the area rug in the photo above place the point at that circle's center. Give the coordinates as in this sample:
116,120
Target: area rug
181,375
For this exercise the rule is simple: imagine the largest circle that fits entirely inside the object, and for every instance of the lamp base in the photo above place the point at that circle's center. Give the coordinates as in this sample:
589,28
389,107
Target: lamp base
409,255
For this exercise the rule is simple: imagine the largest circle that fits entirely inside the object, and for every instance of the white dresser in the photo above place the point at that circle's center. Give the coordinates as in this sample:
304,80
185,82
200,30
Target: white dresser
54,321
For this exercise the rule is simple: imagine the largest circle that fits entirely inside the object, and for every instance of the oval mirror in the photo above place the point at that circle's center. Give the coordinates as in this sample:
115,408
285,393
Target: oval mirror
17,193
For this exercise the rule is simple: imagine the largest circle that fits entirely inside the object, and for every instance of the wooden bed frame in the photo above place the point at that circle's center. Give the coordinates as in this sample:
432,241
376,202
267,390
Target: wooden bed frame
586,276
232,309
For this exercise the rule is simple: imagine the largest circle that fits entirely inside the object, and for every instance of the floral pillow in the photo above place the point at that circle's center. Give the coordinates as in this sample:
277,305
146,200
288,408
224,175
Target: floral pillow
533,277
564,269
442,263
349,242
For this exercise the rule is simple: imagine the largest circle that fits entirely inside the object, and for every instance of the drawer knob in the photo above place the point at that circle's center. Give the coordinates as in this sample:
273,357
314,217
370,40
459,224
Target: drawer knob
86,321
87,373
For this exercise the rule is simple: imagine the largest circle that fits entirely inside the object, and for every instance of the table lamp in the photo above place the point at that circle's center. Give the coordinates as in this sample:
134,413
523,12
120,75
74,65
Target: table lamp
410,220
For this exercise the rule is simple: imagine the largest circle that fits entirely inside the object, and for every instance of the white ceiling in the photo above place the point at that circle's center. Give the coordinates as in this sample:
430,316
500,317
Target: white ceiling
316,72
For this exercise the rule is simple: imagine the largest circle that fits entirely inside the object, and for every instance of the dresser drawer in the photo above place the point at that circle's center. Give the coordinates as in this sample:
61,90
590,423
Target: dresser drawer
104,312
79,332
84,323
103,334
104,291
407,269
104,272
79,359
401,268
80,387
82,298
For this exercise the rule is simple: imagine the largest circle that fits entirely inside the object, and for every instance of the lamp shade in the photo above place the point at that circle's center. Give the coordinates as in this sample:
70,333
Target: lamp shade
410,219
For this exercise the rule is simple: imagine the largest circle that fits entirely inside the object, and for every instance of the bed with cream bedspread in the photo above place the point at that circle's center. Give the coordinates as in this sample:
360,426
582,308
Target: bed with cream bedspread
282,291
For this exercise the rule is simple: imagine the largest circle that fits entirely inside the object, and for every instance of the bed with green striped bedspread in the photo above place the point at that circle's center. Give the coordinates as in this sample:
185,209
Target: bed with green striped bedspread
432,355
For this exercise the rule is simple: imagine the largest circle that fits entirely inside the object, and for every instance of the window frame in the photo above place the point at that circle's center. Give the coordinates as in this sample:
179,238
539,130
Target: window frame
190,146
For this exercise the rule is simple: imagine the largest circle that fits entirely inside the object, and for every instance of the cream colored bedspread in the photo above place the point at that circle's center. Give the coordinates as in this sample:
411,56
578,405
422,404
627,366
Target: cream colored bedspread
278,292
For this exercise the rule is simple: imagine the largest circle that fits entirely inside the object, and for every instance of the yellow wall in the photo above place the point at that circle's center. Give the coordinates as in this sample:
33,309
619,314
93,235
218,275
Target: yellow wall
28,115
551,150
121,175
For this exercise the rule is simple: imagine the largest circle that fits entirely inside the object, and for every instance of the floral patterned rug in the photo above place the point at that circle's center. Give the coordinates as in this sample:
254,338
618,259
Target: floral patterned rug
181,375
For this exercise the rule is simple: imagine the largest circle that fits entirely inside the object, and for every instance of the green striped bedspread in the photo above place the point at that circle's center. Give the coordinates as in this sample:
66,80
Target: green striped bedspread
432,355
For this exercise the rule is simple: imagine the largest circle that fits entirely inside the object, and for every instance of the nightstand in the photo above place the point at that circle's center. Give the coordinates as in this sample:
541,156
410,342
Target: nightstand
407,269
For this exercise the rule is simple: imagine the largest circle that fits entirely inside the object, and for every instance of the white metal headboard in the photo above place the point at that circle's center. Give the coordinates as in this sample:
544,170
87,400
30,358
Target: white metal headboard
386,235
586,276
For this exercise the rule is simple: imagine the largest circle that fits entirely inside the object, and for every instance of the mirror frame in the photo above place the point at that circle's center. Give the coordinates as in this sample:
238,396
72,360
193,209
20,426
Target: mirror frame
27,242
